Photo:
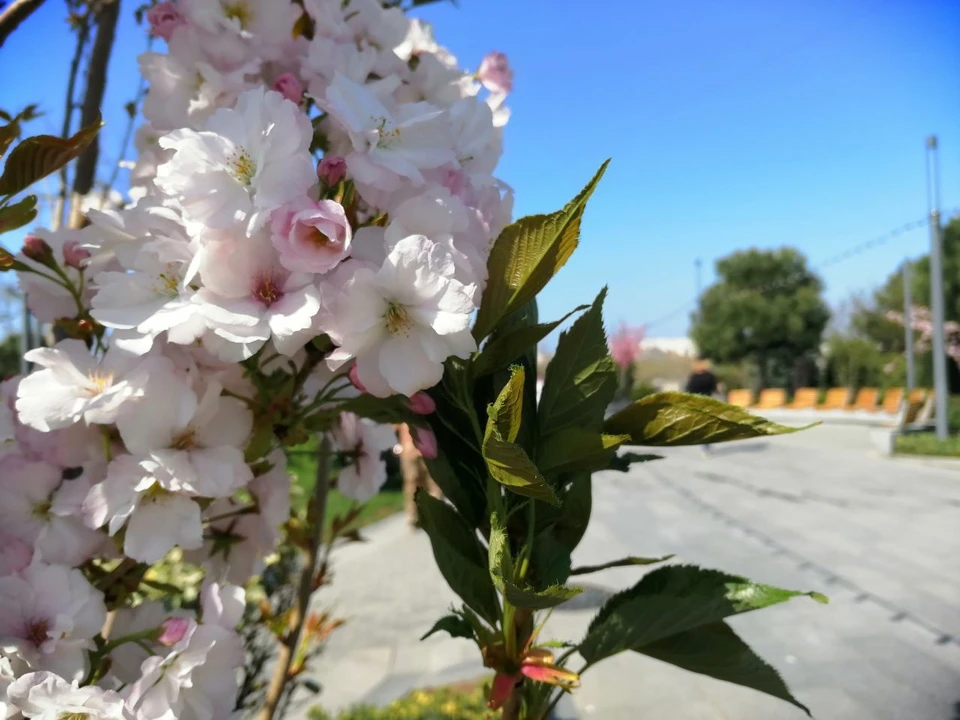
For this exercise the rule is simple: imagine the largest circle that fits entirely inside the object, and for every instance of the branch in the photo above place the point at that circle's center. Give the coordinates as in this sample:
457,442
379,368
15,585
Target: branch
83,33
11,18
299,613
92,100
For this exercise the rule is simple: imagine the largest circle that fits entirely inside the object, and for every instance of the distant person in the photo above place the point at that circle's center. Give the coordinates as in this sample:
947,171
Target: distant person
702,381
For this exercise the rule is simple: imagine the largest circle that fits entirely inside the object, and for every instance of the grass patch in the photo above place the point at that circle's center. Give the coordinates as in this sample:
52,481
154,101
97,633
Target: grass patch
926,443
464,701
303,464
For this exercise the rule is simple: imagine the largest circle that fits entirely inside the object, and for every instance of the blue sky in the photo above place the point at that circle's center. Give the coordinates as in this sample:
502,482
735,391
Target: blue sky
730,125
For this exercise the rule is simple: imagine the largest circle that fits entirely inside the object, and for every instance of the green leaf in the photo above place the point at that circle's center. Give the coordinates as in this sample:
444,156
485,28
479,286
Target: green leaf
574,448
507,463
581,379
498,553
38,156
504,349
455,625
672,600
460,556
675,418
531,599
623,562
622,461
19,214
526,255
715,650
505,414
551,561
570,523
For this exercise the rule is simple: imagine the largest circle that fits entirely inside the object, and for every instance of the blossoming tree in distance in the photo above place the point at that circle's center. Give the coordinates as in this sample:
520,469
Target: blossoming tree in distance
251,297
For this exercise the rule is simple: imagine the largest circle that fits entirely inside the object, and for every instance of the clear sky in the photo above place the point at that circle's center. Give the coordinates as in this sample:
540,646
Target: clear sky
733,124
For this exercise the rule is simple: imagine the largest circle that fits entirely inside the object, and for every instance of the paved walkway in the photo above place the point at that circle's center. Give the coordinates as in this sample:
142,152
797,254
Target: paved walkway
818,510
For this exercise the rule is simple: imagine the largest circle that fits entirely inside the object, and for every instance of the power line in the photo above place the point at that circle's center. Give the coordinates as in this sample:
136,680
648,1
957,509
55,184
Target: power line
791,280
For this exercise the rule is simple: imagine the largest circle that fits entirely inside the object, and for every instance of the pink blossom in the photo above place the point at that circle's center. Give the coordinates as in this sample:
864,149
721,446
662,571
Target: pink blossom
331,169
74,254
164,18
425,441
311,236
422,404
625,345
15,555
495,73
37,249
289,86
174,630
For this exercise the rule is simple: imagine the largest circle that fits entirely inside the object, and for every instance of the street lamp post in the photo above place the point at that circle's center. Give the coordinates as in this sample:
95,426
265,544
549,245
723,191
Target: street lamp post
936,289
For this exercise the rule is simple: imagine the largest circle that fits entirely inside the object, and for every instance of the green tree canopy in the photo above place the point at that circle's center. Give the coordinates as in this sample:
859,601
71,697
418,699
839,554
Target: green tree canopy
868,319
766,308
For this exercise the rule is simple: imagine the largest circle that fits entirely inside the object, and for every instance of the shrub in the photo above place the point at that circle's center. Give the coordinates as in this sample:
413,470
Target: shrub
446,703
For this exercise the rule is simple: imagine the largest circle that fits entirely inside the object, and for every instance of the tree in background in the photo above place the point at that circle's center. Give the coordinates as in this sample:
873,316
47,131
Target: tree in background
766,308
871,317
625,349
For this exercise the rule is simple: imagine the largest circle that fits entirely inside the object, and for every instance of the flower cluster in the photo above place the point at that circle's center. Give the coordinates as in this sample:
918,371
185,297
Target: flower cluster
313,206
921,320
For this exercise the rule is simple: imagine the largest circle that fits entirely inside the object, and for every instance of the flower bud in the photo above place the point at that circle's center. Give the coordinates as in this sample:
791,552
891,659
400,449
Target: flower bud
331,169
495,73
74,254
422,404
6,260
425,442
164,18
174,630
354,376
290,87
38,250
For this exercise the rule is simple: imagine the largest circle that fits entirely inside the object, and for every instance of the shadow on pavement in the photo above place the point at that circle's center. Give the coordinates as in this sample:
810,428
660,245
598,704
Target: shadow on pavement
735,448
592,597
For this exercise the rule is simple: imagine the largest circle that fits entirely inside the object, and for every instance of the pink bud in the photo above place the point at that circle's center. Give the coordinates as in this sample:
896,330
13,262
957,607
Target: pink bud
290,87
354,376
164,18
37,249
331,169
174,630
74,254
495,73
425,442
422,404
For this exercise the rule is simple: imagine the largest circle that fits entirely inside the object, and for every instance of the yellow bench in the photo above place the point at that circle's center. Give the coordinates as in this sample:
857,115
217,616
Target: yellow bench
866,400
771,398
892,399
804,399
741,397
836,399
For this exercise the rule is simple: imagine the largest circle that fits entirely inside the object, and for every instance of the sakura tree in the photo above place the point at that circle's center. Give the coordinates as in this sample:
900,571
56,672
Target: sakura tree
317,245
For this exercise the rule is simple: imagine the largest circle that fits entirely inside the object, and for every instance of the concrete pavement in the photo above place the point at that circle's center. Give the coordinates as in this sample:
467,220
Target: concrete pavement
819,510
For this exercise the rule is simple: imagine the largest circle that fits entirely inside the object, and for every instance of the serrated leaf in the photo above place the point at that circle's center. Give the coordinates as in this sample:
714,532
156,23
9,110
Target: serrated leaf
460,556
505,414
19,214
526,255
507,462
38,156
574,448
673,600
531,599
504,349
622,461
551,561
581,379
455,625
674,418
717,651
623,562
